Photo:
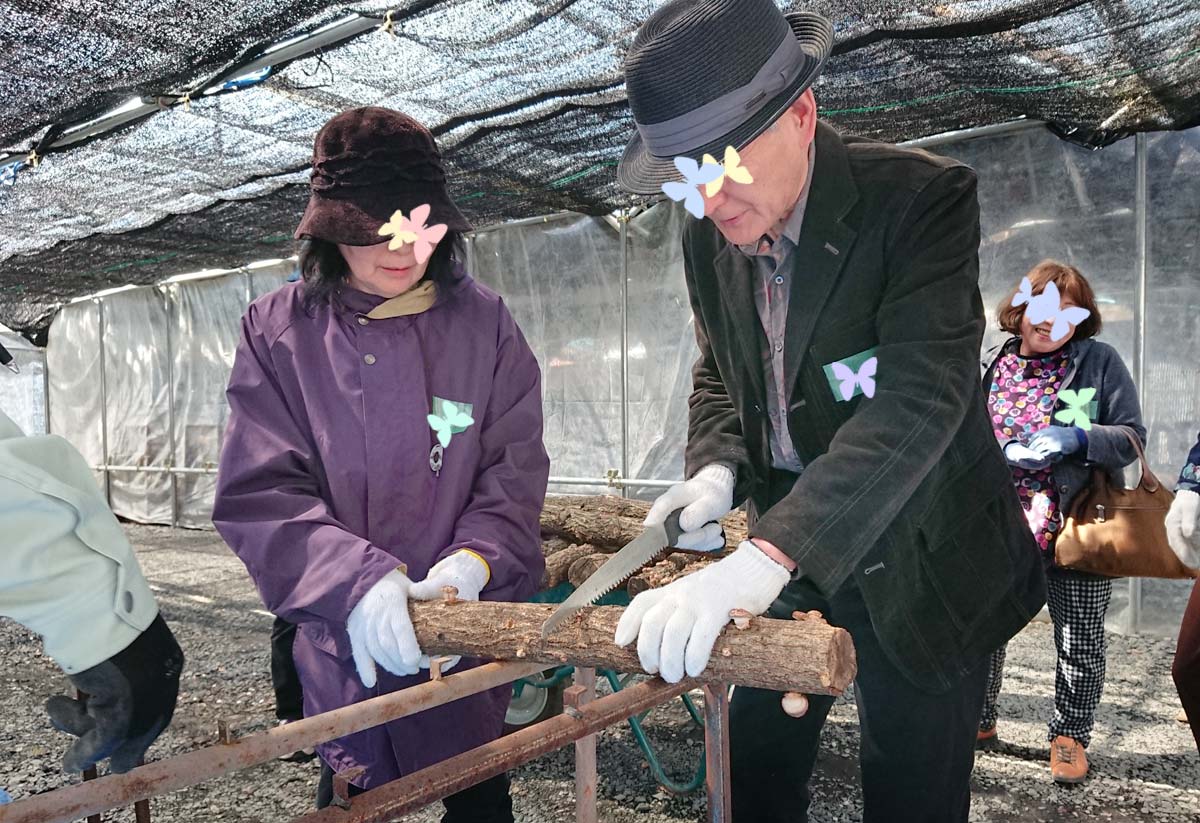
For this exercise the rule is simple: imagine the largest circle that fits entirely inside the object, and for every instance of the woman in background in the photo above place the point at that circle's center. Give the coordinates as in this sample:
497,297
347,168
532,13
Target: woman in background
1054,431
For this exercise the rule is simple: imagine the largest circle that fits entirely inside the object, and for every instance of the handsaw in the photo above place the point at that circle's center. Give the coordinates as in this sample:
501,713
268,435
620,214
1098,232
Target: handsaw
623,565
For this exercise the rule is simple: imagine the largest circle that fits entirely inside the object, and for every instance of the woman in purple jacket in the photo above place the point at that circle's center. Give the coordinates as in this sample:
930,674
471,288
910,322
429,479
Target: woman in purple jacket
384,441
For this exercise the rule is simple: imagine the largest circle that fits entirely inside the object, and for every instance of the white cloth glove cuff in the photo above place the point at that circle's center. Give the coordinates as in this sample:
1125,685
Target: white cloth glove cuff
756,573
719,475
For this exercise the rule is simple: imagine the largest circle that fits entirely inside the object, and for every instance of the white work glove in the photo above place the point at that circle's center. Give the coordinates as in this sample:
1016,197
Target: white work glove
1183,527
382,632
1020,455
465,571
677,625
705,499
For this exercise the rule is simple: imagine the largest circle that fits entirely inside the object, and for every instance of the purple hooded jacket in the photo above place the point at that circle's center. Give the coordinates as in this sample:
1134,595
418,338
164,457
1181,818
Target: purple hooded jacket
326,485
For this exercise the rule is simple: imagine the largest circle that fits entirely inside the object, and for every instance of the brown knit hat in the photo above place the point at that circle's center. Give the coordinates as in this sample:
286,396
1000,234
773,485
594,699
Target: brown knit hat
368,163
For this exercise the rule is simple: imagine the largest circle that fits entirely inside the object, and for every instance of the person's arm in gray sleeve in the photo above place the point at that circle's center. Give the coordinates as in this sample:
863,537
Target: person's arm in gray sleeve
68,573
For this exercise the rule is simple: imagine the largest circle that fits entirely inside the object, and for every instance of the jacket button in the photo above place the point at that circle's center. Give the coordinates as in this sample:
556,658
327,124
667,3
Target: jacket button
1063,488
362,321
778,345
369,359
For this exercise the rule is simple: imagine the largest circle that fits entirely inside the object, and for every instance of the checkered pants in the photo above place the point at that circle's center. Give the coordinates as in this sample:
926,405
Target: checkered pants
1077,605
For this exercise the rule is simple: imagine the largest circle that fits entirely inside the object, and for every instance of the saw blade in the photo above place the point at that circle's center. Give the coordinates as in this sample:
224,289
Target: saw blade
623,565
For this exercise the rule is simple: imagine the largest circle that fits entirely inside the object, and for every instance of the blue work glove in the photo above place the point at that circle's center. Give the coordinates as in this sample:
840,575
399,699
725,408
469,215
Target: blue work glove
1056,442
1024,457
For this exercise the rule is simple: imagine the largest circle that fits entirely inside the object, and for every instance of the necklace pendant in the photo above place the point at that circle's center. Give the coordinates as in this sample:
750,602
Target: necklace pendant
435,459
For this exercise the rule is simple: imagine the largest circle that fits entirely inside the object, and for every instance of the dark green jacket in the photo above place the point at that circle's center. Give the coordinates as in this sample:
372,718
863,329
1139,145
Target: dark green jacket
907,491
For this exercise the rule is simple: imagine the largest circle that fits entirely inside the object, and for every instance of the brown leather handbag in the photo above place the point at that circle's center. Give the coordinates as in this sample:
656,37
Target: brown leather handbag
1119,532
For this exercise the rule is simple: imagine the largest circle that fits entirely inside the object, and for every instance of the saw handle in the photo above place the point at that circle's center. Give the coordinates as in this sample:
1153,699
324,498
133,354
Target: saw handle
672,527
674,530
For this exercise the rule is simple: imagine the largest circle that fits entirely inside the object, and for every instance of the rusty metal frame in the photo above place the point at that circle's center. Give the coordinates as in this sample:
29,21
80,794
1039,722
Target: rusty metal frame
583,717
414,791
231,754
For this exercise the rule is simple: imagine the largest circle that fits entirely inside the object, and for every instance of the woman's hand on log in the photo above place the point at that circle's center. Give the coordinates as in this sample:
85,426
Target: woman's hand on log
466,573
464,570
381,631
677,625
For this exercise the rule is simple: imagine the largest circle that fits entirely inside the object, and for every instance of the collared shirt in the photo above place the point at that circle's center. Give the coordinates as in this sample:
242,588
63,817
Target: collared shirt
774,270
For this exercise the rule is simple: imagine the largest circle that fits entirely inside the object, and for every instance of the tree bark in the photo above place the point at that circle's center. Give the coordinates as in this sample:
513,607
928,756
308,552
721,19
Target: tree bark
664,572
804,655
553,545
605,520
585,567
558,565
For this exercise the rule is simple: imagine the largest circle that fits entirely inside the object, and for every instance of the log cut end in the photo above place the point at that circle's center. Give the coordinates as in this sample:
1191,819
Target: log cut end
841,663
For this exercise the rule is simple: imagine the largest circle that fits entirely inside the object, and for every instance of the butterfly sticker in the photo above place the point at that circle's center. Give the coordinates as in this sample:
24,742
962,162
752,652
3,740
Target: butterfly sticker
449,418
1048,306
1024,293
413,230
864,378
733,169
695,176
1079,407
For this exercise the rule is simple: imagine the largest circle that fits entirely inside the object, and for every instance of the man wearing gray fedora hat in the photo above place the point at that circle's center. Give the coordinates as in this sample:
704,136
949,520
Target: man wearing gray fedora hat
834,286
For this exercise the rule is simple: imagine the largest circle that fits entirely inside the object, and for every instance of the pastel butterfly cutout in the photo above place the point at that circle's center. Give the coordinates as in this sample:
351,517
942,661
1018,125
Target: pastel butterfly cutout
1024,293
1075,414
452,418
694,175
1048,306
413,230
733,167
864,377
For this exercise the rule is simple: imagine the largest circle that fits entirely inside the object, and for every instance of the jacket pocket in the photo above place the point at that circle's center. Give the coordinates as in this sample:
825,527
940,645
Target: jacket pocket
970,539
839,344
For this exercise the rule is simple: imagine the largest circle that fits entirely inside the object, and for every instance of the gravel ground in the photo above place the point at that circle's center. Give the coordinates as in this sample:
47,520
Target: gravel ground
1145,765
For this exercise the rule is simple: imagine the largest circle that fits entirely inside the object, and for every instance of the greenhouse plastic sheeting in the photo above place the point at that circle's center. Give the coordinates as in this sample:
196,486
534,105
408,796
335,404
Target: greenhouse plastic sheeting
526,98
23,394
165,350
562,281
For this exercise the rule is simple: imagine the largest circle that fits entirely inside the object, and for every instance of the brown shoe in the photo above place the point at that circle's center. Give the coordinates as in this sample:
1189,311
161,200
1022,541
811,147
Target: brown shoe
987,739
1068,760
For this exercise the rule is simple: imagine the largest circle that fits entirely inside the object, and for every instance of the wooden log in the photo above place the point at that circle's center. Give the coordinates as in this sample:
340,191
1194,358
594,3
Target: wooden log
585,567
558,565
605,520
665,571
553,545
804,655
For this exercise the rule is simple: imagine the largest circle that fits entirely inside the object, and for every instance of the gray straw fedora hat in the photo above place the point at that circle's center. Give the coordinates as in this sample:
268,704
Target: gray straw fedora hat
705,74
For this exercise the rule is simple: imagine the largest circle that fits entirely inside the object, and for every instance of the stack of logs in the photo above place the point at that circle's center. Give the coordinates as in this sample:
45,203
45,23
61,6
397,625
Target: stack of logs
580,534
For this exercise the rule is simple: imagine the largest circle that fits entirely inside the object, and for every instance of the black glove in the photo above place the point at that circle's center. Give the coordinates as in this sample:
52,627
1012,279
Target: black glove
131,697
